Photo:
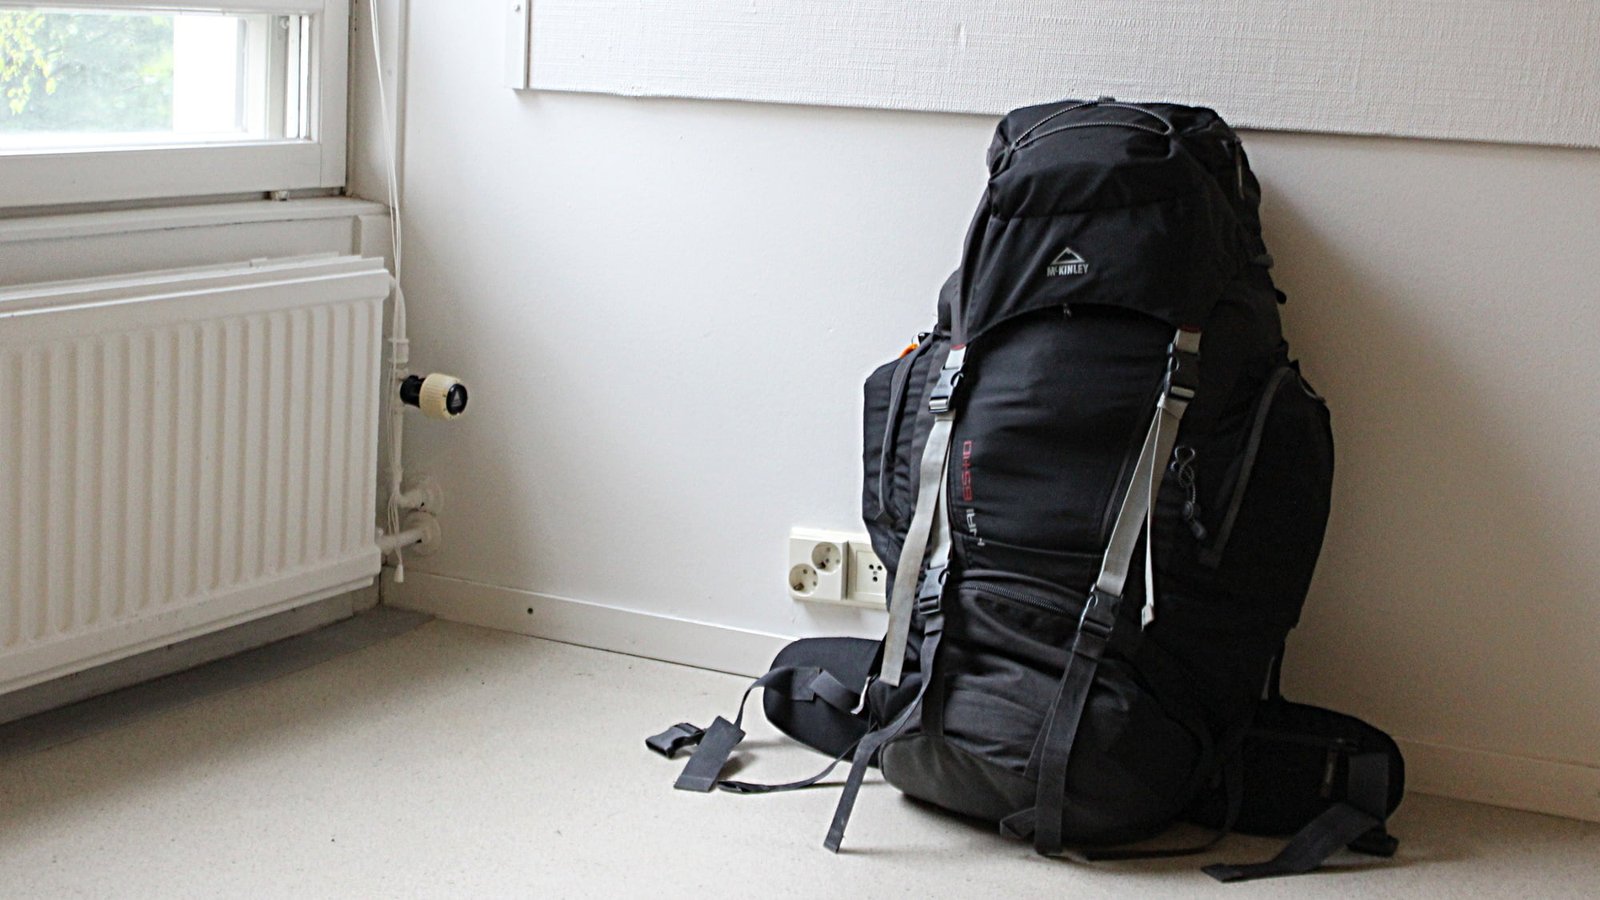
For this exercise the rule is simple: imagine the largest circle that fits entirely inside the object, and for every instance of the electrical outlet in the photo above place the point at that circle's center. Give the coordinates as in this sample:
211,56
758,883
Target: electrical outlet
869,580
835,568
819,565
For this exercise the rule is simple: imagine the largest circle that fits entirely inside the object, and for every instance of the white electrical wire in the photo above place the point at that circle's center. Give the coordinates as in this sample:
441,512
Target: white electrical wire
400,346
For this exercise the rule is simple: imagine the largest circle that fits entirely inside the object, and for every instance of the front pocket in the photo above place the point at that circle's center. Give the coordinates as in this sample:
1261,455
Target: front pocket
1008,640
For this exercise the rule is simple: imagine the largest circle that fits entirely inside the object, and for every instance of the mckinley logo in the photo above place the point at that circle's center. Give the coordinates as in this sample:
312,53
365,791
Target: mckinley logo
1067,262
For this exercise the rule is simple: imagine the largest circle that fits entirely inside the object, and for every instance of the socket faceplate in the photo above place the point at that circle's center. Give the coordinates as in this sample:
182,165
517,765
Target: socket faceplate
869,580
836,568
818,565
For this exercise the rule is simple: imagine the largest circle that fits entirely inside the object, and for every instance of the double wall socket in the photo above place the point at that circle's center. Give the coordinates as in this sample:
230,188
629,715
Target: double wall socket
835,567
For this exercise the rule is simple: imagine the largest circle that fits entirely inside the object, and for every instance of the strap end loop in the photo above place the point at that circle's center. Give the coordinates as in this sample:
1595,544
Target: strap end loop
700,774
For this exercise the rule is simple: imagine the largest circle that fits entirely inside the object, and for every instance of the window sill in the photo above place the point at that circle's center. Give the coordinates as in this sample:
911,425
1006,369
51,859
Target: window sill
129,221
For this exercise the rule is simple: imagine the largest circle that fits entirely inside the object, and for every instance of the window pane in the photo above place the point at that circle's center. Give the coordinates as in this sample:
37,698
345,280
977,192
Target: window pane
72,78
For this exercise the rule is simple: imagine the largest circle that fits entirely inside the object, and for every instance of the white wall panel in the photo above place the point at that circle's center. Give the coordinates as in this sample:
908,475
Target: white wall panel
1520,72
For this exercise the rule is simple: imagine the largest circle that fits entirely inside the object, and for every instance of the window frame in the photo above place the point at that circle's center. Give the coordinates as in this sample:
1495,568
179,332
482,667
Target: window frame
37,178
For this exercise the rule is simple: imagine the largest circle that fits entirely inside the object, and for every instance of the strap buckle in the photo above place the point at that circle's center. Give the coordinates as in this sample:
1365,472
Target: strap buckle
1183,365
679,736
1099,614
930,592
944,390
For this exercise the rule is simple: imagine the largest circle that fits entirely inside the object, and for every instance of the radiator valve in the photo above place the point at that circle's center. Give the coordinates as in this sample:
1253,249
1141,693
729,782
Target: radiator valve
439,396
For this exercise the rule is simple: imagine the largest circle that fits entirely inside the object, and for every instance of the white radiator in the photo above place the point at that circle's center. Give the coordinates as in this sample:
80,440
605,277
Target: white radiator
180,452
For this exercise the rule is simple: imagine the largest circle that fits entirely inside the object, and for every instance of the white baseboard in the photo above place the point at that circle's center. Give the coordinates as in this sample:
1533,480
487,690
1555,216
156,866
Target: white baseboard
701,644
182,654
1499,779
1518,782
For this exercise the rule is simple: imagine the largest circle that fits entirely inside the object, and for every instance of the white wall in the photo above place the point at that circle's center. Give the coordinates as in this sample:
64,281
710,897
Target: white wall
664,309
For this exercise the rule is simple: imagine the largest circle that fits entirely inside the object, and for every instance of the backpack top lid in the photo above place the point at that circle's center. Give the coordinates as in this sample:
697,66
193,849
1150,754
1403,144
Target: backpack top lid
1149,207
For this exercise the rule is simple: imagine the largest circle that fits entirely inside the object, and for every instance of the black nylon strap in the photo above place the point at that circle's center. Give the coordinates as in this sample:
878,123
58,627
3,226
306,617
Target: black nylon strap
930,608
1367,789
1337,826
1367,783
701,772
830,690
1061,726
1357,823
1020,825
932,631
750,787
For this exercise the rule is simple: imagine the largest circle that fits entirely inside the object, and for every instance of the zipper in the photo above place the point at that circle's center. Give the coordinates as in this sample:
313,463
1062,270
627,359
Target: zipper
891,425
1021,598
1212,555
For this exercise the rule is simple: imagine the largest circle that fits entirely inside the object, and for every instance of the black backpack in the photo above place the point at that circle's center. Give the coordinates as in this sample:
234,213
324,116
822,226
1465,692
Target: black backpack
1100,486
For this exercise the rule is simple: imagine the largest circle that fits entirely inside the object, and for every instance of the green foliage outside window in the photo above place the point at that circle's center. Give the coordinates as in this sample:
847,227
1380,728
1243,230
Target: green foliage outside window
85,72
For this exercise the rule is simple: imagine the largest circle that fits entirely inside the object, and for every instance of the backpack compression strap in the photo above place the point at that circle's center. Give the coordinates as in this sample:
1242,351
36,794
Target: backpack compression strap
932,470
1060,729
930,608
1356,822
930,487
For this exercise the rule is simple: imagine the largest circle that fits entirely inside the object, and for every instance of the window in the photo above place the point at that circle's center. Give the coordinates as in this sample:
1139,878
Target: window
107,100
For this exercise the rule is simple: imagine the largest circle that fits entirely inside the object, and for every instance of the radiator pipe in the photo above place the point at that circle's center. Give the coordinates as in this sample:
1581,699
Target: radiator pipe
389,543
426,494
421,533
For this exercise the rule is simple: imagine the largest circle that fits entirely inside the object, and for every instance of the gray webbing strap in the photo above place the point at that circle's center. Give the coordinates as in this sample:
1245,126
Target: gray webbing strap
1169,414
1139,502
703,769
930,486
832,691
1130,517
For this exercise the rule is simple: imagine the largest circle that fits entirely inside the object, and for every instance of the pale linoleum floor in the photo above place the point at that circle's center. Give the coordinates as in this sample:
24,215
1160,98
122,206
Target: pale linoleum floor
456,761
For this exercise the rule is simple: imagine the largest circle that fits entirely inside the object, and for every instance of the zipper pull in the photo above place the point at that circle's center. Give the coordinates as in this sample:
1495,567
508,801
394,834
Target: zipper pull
1184,462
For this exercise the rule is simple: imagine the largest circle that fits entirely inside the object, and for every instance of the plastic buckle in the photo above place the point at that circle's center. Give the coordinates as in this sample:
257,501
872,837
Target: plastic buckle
1183,365
930,592
944,390
679,736
1099,614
